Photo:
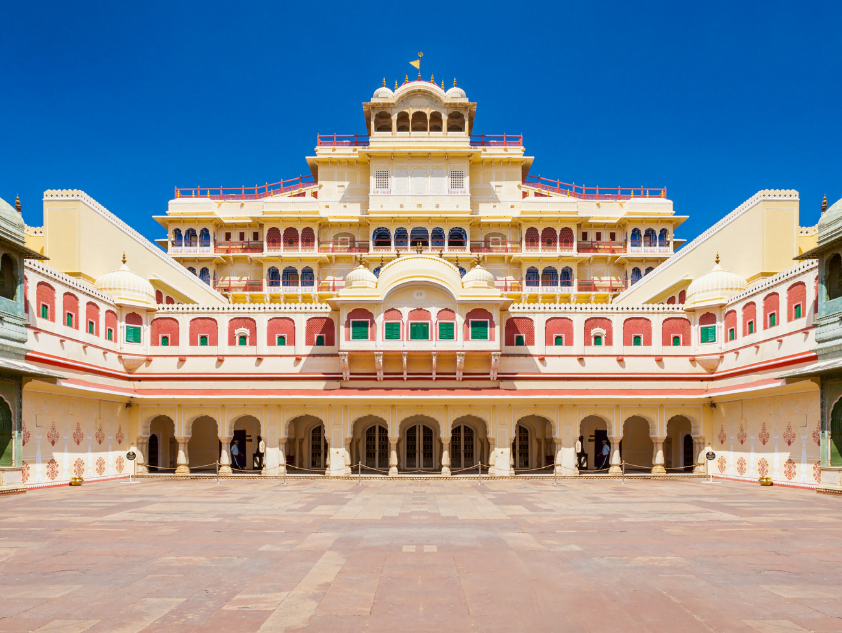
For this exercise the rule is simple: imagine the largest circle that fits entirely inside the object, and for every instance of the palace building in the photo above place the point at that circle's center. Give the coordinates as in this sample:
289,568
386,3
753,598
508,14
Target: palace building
420,303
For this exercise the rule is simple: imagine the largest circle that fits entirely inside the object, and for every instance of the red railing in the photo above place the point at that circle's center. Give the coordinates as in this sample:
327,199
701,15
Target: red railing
239,247
593,193
239,285
509,285
342,140
495,247
497,140
600,247
343,247
598,285
278,247
331,285
258,192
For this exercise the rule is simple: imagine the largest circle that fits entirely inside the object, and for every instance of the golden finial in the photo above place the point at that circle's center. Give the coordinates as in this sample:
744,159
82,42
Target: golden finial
406,79
442,84
717,257
384,82
124,257
360,259
454,82
824,205
457,261
432,79
18,207
396,84
419,248
479,259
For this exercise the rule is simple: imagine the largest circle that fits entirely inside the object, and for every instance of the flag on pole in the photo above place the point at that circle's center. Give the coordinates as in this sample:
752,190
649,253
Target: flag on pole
416,63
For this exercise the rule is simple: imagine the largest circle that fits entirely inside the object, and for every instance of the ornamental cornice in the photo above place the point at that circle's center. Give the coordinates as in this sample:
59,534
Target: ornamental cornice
239,308
67,280
799,269
603,308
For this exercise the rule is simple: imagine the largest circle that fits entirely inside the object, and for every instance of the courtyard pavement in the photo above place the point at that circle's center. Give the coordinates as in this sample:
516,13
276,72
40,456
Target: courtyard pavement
393,556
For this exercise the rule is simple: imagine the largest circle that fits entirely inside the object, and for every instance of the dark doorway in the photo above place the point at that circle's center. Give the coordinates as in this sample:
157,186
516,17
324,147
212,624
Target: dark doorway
152,460
689,460
598,436
240,461
6,434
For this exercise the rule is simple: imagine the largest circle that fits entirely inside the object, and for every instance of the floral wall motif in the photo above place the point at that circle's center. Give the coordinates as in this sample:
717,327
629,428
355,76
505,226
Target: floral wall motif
25,472
722,437
789,434
119,437
817,472
100,466
763,467
52,469
78,435
99,435
722,463
121,463
78,467
763,436
789,469
25,434
817,434
741,466
52,435
741,434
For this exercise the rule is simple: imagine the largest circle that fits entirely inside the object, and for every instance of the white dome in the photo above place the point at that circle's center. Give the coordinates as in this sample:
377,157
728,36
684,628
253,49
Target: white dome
478,277
383,93
455,93
717,286
360,277
127,288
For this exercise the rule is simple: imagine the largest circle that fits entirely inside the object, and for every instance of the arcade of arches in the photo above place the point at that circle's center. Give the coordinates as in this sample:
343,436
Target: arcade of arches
422,445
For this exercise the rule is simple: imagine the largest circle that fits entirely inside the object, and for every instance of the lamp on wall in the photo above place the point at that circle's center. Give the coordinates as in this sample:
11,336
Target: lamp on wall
712,404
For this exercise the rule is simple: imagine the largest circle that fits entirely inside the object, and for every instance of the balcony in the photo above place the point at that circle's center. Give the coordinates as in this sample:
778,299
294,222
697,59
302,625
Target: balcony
279,247
258,192
239,247
592,193
600,285
202,248
342,140
636,248
495,247
497,140
562,288
549,247
610,248
343,247
277,287
435,249
239,285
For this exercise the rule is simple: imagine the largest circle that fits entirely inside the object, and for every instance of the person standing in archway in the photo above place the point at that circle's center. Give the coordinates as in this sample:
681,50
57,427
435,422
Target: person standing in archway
235,455
261,450
604,455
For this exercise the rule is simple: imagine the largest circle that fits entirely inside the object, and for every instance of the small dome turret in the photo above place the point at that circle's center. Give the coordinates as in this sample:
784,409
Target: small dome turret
360,277
127,288
478,277
455,93
714,287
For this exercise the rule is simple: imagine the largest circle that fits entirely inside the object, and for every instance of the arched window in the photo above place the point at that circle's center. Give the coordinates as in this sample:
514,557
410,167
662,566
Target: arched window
457,237
291,238
191,269
565,237
532,276
177,238
635,237
649,238
308,238
663,238
273,277
549,238
834,277
403,122
382,122
648,270
204,275
549,276
382,237
401,237
204,238
435,122
531,238
290,276
419,234
437,237
455,122
8,277
273,239
308,279
190,237
635,275
566,276
419,121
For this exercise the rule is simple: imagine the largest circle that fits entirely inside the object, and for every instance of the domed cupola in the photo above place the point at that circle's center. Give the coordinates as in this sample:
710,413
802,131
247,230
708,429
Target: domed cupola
127,288
360,277
478,277
714,288
383,92
830,222
455,92
11,221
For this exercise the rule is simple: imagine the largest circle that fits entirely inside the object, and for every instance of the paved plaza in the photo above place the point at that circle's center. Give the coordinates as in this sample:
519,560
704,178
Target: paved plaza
392,556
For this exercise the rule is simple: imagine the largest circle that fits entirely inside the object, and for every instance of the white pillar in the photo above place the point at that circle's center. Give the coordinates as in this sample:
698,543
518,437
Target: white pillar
182,460
615,461
658,456
445,458
225,456
393,457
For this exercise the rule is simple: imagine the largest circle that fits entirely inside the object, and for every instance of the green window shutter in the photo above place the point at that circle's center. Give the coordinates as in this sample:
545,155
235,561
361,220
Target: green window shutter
69,319
90,327
320,340
597,341
419,331
203,341
637,341
676,341
773,318
359,330
708,334
798,311
559,340
519,340
393,331
242,340
732,334
165,341
109,334
282,340
132,334
45,311
479,330
751,327
447,331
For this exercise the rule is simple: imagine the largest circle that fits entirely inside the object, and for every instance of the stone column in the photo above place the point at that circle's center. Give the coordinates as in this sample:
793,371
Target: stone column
700,465
615,460
445,458
559,459
225,456
182,460
282,459
658,456
393,457
142,444
348,455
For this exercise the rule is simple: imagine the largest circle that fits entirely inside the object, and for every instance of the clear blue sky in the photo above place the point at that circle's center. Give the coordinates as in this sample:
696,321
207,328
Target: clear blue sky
713,100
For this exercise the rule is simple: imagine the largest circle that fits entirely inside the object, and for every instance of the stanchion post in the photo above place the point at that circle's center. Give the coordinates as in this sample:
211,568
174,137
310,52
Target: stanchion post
359,473
555,475
217,470
480,474
624,471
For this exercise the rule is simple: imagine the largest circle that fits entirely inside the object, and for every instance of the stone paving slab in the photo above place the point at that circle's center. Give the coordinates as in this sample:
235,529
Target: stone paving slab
252,555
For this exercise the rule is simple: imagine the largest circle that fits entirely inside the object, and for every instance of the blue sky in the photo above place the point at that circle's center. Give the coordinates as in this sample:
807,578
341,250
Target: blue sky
713,100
